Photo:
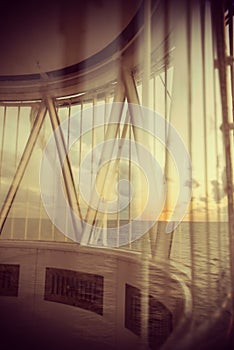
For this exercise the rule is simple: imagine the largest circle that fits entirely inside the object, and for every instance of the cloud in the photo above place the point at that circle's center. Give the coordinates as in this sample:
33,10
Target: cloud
8,165
217,191
192,184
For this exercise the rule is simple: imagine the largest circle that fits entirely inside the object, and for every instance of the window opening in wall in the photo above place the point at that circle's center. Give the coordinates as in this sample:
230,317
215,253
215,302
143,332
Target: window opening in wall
133,309
159,323
83,290
9,280
159,319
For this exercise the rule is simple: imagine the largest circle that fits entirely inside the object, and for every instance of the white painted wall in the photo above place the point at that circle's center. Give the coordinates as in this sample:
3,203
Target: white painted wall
47,321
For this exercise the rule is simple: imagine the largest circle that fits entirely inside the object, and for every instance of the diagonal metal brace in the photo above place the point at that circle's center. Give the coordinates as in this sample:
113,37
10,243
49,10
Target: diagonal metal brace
22,165
66,166
111,133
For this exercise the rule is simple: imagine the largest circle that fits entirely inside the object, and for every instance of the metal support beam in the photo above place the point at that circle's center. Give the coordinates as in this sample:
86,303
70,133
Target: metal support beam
65,165
133,98
110,134
22,165
230,32
147,54
219,30
110,171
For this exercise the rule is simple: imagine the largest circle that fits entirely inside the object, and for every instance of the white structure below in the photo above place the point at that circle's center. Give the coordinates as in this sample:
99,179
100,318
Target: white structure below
58,285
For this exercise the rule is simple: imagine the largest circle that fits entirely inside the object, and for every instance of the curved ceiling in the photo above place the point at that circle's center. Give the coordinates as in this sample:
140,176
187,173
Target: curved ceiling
43,36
